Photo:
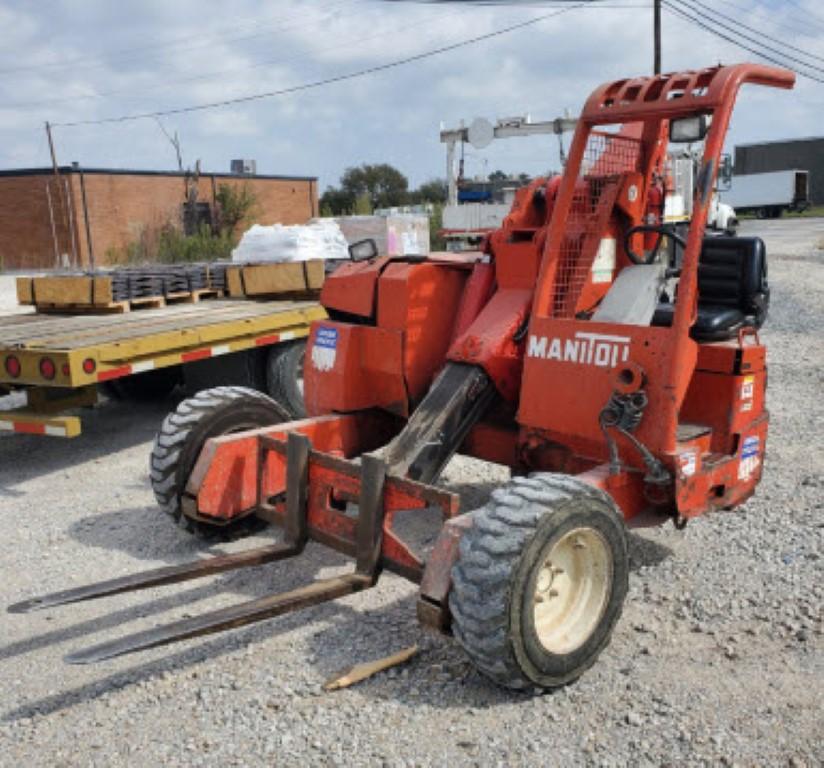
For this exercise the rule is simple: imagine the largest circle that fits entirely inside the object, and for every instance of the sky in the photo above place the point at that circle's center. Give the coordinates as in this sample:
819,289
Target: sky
77,60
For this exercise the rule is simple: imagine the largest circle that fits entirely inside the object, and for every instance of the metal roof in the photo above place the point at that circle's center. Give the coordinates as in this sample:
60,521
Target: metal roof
780,141
68,169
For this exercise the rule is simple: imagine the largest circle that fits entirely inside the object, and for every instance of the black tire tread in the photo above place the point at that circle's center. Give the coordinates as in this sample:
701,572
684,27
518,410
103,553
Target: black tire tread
488,555
170,442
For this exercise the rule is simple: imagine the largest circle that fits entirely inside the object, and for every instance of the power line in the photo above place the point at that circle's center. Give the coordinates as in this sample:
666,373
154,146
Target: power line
234,70
325,81
270,62
691,5
697,22
492,2
96,62
759,32
806,12
801,25
803,30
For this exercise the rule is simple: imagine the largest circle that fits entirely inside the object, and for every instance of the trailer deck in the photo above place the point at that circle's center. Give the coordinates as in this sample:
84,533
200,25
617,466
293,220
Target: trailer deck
60,359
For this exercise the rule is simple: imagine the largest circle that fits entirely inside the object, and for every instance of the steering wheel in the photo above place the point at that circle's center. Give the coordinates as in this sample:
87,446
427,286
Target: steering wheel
662,230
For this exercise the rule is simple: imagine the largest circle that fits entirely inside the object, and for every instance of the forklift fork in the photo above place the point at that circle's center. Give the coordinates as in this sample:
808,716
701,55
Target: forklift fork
318,486
368,545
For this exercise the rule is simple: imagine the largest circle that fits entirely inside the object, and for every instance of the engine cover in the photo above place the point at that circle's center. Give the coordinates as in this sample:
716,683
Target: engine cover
389,359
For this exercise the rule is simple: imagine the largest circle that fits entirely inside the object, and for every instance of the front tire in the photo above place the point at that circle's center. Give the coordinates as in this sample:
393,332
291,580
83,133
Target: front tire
540,581
177,446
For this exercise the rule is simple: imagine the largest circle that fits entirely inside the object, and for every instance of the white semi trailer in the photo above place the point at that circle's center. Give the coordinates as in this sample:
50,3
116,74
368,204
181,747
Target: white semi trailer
768,195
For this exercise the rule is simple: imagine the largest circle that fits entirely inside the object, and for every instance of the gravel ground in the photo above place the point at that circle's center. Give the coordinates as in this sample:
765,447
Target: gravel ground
718,658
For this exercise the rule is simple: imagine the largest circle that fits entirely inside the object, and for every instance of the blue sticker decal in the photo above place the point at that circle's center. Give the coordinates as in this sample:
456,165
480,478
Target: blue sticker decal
324,350
750,459
750,448
327,337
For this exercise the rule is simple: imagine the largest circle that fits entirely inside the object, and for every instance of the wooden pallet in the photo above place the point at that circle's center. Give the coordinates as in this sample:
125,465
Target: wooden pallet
193,297
274,279
94,294
110,308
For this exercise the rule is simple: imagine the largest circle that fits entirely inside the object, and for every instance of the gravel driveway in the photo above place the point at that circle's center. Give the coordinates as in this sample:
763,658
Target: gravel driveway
718,658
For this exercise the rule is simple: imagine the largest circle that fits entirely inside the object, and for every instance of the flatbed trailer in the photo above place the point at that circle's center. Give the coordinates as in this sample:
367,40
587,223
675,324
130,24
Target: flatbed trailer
59,361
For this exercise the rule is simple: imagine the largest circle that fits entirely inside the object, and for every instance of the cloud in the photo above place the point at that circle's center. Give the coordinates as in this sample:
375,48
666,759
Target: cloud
65,61
229,122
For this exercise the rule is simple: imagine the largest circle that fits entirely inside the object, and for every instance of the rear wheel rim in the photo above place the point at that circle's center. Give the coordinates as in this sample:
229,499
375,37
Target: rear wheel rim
572,590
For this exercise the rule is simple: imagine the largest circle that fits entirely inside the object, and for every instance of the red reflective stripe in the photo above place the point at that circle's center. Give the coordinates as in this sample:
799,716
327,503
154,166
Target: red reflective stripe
30,429
198,354
114,373
263,340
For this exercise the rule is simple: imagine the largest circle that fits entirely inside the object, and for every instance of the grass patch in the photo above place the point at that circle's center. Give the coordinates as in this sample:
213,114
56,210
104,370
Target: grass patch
811,212
166,243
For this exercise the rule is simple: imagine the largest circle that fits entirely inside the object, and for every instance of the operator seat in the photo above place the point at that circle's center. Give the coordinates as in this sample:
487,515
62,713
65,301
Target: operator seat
732,289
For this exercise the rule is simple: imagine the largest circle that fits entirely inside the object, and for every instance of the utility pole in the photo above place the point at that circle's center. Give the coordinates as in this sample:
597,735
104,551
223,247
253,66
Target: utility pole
656,35
57,180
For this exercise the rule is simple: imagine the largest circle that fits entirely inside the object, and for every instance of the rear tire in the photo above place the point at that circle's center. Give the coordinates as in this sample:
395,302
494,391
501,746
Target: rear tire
540,581
284,376
177,446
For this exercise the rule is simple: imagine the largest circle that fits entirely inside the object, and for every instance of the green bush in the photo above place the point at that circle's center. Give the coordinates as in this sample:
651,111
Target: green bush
173,247
235,205
436,240
168,244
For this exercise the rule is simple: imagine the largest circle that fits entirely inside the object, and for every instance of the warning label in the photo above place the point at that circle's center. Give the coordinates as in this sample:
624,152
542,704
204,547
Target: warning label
750,457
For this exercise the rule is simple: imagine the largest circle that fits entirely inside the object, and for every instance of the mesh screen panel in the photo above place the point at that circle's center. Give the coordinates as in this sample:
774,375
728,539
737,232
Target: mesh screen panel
606,157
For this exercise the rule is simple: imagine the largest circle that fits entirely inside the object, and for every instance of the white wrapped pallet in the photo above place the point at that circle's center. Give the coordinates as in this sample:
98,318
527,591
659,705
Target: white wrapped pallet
319,239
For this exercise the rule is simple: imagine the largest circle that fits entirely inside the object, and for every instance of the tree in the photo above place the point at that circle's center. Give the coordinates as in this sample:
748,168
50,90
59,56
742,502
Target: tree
336,202
235,204
432,191
384,185
363,205
364,188
498,176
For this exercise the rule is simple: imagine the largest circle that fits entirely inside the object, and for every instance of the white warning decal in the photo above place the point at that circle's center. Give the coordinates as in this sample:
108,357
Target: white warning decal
688,462
750,457
325,348
747,392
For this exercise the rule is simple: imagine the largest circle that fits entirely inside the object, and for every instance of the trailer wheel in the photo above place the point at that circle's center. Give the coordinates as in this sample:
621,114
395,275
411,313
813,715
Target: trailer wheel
212,412
540,581
284,376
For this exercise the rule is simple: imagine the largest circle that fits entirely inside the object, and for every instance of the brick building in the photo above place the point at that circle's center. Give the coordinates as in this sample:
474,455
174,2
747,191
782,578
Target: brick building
94,213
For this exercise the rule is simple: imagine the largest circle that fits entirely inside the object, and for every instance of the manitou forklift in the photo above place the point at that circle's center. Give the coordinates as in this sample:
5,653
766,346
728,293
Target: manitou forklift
613,366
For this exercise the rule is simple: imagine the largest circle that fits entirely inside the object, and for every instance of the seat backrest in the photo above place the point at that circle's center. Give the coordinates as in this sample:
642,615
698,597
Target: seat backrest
732,273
